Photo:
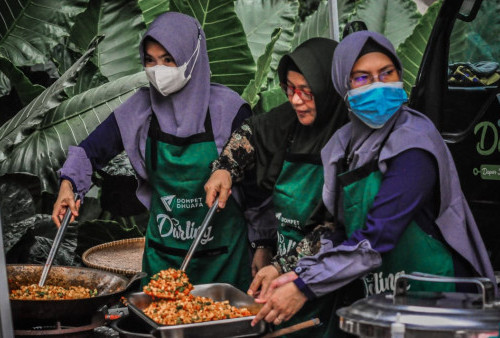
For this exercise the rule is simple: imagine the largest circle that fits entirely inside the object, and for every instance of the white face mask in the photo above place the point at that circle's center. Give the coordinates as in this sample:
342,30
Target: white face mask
168,80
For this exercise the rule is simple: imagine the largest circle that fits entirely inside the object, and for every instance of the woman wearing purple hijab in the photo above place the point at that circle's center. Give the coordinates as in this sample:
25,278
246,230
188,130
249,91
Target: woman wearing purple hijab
171,132
284,146
392,187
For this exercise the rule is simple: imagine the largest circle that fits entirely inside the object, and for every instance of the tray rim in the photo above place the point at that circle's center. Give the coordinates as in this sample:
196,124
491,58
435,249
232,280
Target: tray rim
158,327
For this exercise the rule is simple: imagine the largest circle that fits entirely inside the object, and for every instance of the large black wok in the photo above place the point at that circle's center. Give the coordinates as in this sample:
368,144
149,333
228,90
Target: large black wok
110,287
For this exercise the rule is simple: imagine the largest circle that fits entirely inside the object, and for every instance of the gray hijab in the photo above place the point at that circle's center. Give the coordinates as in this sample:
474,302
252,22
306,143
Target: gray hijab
183,113
407,129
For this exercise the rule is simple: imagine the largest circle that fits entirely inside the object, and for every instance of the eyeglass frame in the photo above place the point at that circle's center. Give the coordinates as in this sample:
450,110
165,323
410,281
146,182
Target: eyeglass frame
295,90
371,77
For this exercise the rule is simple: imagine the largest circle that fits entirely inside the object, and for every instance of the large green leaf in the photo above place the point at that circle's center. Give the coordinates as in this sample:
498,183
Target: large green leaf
478,40
395,19
411,51
231,61
152,8
261,18
120,21
44,150
88,78
24,88
318,23
251,92
315,25
17,129
270,98
30,28
5,85
345,9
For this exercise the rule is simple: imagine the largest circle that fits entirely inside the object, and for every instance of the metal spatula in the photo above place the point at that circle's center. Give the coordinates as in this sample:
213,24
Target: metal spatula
199,235
55,245
167,294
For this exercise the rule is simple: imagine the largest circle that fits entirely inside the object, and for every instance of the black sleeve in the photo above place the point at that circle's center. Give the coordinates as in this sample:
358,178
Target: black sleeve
258,201
244,113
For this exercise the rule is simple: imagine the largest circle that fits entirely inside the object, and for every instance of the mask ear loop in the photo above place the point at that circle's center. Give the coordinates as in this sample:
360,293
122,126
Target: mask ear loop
196,51
346,100
346,96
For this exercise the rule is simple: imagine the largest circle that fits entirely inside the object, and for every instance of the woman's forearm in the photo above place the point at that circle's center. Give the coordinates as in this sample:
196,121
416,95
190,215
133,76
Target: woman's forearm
238,154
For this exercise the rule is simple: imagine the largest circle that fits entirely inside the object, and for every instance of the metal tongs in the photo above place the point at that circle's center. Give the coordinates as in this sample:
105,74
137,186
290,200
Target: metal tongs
56,244
199,235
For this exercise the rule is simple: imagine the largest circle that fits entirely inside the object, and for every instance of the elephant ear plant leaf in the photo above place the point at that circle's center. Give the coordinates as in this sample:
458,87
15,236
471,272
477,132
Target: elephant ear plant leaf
251,92
152,8
395,19
412,49
120,22
261,18
18,128
31,28
316,25
45,150
477,40
24,88
231,61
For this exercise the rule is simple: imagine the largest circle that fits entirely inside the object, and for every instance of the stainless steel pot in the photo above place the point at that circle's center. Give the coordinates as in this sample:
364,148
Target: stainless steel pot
425,314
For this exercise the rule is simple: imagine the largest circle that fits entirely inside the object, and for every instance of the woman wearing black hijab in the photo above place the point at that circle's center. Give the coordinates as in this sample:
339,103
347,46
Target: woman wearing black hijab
284,147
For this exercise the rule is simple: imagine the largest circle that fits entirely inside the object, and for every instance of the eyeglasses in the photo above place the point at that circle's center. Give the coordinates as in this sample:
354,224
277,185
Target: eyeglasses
388,75
290,91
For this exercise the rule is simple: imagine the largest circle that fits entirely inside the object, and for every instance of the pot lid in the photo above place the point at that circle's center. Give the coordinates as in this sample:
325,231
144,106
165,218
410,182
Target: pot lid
429,311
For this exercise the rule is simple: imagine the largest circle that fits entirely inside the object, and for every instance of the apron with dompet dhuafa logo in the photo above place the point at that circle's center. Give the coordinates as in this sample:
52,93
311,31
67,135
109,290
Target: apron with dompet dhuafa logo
296,193
178,169
415,251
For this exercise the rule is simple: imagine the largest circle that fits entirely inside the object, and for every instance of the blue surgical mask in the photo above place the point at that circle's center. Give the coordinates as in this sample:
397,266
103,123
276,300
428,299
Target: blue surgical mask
376,103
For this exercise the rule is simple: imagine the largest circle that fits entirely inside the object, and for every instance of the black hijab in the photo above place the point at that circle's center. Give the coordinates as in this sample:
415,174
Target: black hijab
278,130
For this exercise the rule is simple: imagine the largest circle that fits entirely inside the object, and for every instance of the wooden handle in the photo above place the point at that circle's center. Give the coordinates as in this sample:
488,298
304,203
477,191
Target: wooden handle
294,328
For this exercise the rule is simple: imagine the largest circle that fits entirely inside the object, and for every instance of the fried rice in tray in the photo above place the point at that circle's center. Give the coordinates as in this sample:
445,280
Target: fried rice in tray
173,303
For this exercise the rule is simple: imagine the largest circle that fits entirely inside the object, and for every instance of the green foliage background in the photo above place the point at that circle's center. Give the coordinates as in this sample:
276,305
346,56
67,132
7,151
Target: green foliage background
245,40
87,52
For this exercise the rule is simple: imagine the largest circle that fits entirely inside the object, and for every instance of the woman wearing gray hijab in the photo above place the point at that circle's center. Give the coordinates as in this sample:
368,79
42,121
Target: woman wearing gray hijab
392,187
171,132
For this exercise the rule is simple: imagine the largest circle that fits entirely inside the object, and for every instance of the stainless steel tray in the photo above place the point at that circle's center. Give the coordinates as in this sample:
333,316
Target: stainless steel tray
236,327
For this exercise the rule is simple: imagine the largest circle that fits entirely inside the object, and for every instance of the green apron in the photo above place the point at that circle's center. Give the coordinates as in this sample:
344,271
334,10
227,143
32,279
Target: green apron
415,250
178,169
297,192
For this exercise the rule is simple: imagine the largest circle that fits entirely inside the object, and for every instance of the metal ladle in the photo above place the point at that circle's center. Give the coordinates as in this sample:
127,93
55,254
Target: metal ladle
55,245
199,235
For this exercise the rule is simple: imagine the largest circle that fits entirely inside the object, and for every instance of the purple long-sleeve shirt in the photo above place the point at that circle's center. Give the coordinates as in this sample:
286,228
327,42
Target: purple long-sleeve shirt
408,192
105,142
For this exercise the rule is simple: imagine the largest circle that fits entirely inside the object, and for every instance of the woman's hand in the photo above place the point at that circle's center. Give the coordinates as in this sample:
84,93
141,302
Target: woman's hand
276,283
282,280
284,302
262,280
261,258
220,184
65,199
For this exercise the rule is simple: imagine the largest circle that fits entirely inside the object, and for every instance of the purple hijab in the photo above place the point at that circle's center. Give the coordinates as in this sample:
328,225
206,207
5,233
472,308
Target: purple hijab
407,129
183,113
